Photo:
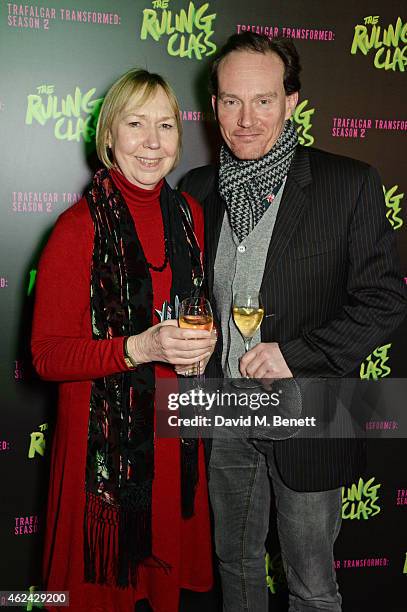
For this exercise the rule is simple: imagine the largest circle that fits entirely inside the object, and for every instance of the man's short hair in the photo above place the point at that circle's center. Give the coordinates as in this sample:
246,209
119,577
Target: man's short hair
258,43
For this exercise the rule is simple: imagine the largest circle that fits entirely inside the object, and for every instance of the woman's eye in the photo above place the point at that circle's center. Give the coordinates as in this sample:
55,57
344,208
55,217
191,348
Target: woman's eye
167,126
134,123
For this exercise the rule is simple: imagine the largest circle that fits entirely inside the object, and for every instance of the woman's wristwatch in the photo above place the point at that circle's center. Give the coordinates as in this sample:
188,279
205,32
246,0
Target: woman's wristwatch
130,363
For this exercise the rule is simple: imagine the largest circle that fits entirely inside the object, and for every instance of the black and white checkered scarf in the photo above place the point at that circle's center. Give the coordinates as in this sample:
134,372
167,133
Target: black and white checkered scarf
244,184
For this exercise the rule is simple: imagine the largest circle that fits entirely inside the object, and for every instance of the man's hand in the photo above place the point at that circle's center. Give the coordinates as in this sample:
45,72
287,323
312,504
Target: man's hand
264,360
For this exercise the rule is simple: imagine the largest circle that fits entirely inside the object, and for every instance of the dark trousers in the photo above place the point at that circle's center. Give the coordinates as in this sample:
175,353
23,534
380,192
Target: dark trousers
240,474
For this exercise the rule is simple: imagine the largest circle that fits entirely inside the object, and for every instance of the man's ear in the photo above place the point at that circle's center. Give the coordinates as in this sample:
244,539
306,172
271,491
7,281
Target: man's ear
214,100
290,103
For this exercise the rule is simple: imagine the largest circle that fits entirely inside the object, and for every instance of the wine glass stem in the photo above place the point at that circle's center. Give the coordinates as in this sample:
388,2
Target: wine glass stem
247,342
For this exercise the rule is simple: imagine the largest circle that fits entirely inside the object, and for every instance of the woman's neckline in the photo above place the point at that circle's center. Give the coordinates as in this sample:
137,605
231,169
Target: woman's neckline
133,194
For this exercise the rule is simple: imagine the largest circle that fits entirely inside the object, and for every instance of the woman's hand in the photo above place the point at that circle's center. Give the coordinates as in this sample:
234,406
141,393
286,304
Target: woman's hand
168,343
183,370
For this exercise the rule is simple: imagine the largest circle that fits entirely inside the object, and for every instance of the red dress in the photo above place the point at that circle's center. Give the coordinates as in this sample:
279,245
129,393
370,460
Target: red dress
64,351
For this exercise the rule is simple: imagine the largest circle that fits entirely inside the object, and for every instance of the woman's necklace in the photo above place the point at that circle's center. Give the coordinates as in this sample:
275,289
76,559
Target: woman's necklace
165,262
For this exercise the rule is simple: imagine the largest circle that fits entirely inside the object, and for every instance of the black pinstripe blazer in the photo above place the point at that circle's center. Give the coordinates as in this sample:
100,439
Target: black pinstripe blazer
332,281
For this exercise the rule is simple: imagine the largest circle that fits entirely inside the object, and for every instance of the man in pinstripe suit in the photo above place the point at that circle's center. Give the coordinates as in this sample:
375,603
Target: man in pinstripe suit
308,229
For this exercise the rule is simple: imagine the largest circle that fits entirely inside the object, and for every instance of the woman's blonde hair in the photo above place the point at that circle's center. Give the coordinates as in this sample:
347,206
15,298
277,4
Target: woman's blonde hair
138,84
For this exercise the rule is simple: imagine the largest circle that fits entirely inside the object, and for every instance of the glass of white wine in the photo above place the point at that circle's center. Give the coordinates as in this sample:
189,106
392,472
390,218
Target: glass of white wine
196,313
248,314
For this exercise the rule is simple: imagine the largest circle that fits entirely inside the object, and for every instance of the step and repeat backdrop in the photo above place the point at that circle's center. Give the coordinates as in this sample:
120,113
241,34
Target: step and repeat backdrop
58,58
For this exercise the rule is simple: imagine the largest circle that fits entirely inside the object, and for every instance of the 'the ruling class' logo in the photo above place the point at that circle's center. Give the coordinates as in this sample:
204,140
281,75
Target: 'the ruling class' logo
188,32
75,115
33,604
302,121
31,282
275,576
389,44
37,441
393,206
374,365
358,501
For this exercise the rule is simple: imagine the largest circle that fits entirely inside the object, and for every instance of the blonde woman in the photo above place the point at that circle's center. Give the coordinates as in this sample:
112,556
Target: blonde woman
127,513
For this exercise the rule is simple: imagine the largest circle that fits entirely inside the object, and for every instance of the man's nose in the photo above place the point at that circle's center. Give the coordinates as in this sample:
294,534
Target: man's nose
152,138
246,118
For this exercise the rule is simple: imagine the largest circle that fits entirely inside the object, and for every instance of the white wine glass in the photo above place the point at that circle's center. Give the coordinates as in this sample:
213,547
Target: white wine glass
248,314
196,313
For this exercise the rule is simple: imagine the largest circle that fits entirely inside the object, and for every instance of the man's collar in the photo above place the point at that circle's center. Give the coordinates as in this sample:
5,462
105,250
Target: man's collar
300,169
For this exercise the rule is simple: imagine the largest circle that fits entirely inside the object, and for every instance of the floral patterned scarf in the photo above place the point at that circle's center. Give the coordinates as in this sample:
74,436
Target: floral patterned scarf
120,452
